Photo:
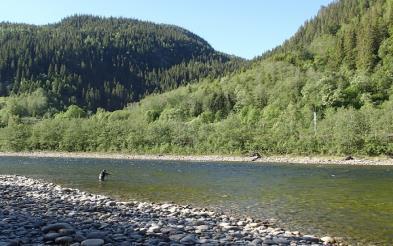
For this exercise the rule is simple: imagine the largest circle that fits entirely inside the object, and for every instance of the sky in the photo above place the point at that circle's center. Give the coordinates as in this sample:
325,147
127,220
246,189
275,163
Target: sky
244,28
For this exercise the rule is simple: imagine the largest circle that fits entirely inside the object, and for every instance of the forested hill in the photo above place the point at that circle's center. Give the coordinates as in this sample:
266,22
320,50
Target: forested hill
103,62
338,66
347,35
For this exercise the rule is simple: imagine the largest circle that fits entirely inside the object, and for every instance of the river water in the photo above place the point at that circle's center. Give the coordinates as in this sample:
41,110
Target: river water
343,201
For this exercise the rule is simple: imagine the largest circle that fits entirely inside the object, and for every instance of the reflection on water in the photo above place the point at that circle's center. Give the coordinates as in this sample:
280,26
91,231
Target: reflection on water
335,200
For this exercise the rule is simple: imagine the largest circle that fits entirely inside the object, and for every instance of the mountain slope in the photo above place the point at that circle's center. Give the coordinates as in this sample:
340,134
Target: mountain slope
103,62
348,34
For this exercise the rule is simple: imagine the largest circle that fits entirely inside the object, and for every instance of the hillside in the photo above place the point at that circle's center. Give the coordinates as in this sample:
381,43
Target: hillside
338,66
103,62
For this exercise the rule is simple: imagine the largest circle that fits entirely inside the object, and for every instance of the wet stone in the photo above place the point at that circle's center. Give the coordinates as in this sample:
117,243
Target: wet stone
268,241
64,240
66,232
97,234
93,242
51,236
189,239
281,241
176,237
56,227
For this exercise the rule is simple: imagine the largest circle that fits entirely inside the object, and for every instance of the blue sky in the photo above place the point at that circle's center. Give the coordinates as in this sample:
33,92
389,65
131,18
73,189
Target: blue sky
244,28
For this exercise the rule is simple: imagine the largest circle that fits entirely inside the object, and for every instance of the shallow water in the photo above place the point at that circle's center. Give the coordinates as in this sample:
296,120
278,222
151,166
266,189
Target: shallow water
343,201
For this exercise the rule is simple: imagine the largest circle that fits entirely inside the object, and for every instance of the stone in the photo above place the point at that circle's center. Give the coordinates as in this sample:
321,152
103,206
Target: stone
71,214
168,230
202,227
224,224
93,242
136,236
176,237
64,240
254,224
119,237
103,226
200,222
203,241
96,234
328,239
66,232
154,229
79,238
152,241
110,204
296,233
268,241
51,236
281,241
256,241
166,205
189,239
56,227
125,243
15,242
311,238
241,223
223,241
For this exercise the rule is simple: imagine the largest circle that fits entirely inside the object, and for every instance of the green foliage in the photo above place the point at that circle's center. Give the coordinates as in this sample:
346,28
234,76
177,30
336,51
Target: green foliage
73,111
14,136
339,66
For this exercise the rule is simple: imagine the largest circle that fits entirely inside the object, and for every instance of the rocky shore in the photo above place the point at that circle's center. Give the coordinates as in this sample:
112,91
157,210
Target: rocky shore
34,212
312,160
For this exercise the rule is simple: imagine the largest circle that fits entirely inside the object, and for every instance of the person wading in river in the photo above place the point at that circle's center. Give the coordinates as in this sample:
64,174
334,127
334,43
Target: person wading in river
102,175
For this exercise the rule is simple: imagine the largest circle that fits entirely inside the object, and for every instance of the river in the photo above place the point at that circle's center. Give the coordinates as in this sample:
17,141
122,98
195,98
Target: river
354,202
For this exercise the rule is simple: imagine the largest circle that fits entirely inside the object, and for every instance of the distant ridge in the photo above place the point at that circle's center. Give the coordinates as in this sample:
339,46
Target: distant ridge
102,62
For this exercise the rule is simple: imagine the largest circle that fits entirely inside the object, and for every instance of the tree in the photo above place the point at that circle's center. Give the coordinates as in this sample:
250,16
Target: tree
73,111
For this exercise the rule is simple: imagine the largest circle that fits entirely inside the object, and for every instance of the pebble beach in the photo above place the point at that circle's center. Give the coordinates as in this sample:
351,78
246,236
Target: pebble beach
35,212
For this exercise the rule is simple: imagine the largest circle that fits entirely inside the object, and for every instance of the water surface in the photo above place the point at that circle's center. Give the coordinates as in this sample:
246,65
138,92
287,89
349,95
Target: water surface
346,201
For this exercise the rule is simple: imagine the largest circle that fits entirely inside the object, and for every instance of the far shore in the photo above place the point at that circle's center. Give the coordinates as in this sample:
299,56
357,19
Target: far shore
316,160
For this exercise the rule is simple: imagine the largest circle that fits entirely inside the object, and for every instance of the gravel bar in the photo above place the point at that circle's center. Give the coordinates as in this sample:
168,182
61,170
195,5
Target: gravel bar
35,212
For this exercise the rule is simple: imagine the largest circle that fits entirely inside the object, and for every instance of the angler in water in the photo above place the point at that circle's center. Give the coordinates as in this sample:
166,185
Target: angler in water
103,175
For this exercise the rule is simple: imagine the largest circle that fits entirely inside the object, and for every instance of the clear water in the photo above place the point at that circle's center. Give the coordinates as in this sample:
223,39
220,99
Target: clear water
344,201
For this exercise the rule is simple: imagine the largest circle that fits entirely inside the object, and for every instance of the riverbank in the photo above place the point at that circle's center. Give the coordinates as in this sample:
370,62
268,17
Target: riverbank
34,212
319,160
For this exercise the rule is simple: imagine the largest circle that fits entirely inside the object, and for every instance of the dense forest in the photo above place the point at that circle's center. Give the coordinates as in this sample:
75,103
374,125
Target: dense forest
327,90
103,62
